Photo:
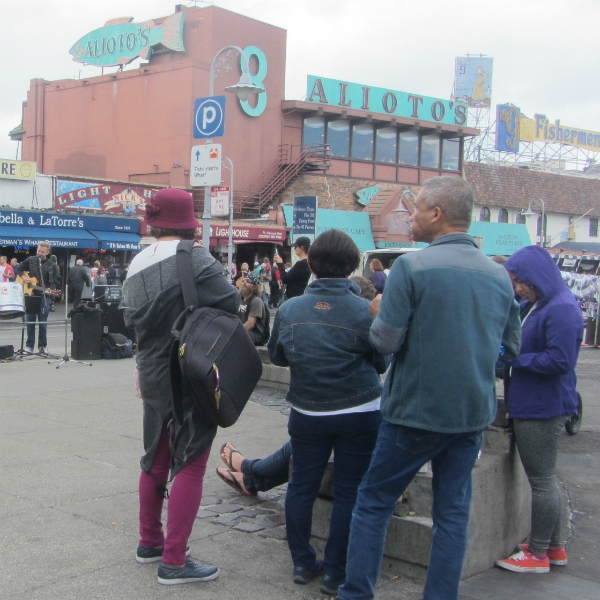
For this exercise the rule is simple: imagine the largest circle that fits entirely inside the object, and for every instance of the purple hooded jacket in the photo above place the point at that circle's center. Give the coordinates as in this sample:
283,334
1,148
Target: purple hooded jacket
543,380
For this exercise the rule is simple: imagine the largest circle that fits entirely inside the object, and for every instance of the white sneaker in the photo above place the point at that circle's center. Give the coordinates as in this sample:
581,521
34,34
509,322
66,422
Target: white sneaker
43,349
29,349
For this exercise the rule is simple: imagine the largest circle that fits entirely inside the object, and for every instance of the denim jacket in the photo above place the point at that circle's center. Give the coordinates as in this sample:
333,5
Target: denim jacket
323,336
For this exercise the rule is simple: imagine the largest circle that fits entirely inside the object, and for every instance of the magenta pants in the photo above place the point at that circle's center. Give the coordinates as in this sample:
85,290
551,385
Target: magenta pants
184,500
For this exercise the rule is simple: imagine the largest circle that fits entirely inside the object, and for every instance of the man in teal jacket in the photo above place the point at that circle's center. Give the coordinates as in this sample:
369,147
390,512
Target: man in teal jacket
446,315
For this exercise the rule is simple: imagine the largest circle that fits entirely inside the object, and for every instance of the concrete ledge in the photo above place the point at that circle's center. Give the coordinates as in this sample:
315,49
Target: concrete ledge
272,374
499,520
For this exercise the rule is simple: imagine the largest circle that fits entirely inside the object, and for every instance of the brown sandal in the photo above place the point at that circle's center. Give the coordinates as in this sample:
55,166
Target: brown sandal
233,482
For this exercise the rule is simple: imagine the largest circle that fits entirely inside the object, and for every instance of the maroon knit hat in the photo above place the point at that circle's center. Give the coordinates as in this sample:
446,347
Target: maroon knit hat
171,209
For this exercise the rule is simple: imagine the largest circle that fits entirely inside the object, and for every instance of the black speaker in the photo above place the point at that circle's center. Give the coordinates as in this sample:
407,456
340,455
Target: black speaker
113,320
87,335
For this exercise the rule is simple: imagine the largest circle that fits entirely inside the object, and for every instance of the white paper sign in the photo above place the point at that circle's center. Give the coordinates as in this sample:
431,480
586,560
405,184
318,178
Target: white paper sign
205,165
219,200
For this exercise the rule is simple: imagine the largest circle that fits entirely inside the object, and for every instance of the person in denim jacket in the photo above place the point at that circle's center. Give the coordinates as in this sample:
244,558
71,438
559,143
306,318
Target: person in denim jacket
335,391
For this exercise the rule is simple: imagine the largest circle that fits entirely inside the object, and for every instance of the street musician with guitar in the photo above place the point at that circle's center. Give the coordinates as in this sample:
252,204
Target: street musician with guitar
46,275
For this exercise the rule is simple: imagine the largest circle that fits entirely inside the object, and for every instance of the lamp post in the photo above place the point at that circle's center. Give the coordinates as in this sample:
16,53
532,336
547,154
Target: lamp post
228,164
530,213
243,89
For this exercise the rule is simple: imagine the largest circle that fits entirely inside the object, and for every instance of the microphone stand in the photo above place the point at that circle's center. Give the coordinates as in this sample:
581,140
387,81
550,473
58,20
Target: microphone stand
66,358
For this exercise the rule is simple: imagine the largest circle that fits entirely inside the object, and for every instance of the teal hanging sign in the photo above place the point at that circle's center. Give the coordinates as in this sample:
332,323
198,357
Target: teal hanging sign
120,41
332,92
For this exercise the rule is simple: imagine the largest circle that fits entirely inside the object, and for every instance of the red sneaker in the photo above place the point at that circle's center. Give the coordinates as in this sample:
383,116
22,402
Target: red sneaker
556,557
524,562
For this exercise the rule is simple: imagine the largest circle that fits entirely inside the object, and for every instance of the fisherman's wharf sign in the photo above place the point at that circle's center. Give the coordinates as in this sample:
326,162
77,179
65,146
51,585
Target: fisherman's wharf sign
120,41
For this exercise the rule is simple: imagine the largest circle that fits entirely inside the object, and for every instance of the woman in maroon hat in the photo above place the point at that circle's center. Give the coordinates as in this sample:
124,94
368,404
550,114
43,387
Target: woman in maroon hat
152,299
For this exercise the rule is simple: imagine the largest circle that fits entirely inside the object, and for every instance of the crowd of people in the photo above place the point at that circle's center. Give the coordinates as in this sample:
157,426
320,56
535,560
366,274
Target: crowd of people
447,314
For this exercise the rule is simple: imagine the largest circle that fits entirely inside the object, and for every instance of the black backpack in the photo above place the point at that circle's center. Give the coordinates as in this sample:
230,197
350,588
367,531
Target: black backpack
212,356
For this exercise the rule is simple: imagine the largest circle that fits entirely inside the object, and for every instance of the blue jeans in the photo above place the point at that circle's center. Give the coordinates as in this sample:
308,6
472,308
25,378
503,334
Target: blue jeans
352,437
399,454
262,474
31,320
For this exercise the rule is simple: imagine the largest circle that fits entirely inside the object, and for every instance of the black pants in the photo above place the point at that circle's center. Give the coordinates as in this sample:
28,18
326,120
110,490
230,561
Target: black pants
76,296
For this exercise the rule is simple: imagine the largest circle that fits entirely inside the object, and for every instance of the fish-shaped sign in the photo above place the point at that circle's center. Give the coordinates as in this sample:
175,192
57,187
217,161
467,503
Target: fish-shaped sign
120,41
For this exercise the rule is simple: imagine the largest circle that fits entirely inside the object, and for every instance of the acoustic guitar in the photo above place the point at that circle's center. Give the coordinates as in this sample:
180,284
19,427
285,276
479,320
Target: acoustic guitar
28,288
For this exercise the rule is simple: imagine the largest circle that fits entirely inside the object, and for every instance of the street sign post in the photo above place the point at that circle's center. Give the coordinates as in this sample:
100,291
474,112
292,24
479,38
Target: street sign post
209,117
305,216
205,165
304,222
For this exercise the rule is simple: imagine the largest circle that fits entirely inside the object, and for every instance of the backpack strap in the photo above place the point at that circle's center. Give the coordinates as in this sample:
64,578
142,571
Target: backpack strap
185,273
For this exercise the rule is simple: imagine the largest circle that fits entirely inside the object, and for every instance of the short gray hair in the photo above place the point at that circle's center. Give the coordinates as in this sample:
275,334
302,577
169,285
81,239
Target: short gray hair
79,262
453,195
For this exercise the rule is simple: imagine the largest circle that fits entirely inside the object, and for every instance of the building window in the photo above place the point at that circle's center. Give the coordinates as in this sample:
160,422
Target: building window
430,151
313,131
593,228
484,214
338,138
502,216
386,145
520,219
362,142
408,153
451,154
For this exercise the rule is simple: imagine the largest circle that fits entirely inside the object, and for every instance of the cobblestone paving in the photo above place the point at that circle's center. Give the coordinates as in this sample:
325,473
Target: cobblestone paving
263,514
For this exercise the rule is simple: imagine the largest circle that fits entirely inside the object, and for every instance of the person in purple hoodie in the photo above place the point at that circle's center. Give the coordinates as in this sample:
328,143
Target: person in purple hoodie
541,393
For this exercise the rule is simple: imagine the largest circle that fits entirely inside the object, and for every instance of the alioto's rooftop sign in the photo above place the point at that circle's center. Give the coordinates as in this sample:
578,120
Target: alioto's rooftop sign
373,99
120,41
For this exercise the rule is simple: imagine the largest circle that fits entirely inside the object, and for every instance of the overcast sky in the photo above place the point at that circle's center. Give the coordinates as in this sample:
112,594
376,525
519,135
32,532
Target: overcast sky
546,52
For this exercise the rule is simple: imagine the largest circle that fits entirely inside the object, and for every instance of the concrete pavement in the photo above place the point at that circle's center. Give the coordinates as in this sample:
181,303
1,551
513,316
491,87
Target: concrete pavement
70,444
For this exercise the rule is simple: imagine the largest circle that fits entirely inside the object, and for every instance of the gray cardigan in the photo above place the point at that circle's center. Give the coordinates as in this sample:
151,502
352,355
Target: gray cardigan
152,300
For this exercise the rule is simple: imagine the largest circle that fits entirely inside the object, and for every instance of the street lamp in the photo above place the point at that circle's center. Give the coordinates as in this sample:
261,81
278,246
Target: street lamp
228,164
243,89
530,213
401,208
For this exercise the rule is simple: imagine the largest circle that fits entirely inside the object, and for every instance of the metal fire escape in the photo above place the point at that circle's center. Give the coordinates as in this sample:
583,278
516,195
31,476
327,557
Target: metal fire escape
264,191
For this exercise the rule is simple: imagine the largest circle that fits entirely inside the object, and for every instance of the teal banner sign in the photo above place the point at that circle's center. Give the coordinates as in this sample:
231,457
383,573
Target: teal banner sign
386,244
380,100
500,238
120,41
356,224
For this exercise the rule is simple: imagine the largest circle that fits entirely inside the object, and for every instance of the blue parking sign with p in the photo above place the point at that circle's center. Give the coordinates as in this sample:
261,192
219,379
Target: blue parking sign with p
209,117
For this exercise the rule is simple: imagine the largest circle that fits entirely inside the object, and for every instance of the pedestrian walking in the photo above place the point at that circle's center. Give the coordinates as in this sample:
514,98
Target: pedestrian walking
76,279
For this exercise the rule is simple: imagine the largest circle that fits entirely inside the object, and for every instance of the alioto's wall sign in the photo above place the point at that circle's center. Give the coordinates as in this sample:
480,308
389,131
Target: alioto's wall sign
373,99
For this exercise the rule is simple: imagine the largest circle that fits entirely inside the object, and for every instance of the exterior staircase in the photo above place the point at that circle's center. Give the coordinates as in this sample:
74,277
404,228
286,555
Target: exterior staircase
265,189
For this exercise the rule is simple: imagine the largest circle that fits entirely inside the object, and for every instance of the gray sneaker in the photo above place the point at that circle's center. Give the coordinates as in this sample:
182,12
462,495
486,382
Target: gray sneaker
145,555
190,573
